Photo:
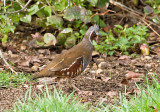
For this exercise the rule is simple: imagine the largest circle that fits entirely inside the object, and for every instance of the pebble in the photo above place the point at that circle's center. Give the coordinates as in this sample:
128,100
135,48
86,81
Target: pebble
34,68
94,67
136,70
93,72
99,71
147,65
147,57
102,65
23,47
40,86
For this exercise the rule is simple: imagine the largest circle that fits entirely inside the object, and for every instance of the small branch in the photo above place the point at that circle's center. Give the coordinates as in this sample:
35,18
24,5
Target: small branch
17,10
102,14
5,11
150,27
1,55
19,3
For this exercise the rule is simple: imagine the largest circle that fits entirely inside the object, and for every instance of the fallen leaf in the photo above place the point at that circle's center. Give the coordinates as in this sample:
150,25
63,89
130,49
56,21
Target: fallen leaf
131,75
105,79
86,93
124,57
112,93
124,82
154,108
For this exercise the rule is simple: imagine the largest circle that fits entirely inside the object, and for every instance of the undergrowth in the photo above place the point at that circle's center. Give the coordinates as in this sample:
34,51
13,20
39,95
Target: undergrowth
12,80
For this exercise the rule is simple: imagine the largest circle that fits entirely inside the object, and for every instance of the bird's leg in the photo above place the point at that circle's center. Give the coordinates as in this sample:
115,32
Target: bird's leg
59,83
70,82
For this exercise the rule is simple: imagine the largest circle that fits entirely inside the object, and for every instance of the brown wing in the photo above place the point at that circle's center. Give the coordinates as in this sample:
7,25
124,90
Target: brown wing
71,71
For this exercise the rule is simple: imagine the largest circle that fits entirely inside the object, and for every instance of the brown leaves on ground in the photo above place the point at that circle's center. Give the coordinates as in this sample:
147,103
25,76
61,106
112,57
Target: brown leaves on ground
131,75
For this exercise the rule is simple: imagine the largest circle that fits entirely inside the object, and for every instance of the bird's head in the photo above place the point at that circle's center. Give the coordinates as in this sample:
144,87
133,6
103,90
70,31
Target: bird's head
92,33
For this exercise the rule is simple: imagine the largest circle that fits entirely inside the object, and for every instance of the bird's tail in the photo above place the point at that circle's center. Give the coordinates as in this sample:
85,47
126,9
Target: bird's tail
41,74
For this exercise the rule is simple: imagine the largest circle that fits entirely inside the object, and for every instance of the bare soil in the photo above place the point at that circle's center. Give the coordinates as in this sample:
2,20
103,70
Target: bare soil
102,79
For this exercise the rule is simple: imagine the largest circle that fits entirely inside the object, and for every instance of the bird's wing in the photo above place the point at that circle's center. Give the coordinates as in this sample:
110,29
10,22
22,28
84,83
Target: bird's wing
64,66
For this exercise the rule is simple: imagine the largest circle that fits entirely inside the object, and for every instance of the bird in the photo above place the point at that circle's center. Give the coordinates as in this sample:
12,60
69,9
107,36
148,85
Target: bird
72,62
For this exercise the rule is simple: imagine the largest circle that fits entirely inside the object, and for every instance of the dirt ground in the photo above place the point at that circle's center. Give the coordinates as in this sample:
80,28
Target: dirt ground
103,79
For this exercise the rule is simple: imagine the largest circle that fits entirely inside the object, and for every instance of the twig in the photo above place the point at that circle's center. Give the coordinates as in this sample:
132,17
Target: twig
17,10
102,14
5,11
1,55
19,3
150,27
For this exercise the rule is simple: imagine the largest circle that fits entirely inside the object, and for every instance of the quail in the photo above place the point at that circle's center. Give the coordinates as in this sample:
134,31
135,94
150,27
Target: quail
72,62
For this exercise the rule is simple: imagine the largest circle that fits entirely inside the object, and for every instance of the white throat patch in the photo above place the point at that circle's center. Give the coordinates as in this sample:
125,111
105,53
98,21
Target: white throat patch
90,37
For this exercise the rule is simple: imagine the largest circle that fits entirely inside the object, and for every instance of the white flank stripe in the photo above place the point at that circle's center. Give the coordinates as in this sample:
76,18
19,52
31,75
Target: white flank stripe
90,37
71,64
56,64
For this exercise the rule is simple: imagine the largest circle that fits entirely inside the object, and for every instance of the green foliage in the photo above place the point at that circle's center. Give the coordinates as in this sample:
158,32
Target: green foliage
7,80
128,39
49,14
49,102
156,9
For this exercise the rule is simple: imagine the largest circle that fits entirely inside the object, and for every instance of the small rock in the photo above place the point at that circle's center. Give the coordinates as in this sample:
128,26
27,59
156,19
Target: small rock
97,61
41,55
99,71
94,67
34,68
136,70
102,65
40,86
47,80
87,70
147,66
26,86
93,72
147,57
23,47
42,51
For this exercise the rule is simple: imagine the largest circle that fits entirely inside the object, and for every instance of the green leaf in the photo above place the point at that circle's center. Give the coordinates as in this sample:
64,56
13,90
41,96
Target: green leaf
61,6
26,19
12,28
70,42
98,21
67,30
111,53
48,11
103,33
94,43
4,39
33,9
54,21
77,13
93,2
102,3
49,39
119,26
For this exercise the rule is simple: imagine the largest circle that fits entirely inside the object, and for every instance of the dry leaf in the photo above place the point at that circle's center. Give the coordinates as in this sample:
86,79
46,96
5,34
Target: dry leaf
131,75
112,93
